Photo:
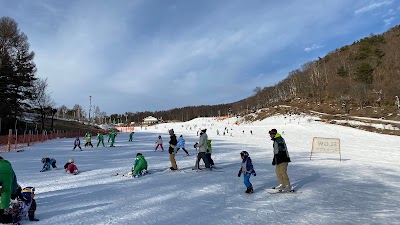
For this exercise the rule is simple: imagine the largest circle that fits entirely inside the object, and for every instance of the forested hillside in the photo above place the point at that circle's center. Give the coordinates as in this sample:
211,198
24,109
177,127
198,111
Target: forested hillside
358,79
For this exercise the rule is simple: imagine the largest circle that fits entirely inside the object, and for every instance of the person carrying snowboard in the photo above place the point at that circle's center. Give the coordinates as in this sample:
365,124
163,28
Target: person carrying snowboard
247,170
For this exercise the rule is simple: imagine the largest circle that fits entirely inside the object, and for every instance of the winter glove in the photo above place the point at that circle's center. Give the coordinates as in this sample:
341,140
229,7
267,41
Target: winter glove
254,174
239,174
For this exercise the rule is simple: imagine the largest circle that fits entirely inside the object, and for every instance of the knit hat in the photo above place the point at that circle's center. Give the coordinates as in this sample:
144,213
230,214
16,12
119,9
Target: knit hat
273,131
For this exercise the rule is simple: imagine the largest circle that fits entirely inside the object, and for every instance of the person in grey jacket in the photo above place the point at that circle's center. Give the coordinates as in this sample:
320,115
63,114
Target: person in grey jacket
203,146
281,161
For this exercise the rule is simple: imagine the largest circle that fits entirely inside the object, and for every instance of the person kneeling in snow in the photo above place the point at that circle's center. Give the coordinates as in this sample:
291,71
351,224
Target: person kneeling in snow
139,166
47,162
70,167
23,206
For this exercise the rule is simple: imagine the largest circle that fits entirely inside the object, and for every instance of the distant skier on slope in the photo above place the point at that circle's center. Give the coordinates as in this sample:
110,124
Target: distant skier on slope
131,136
159,142
77,143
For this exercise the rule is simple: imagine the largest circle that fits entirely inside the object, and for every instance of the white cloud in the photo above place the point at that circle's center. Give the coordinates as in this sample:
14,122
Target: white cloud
312,48
388,21
372,6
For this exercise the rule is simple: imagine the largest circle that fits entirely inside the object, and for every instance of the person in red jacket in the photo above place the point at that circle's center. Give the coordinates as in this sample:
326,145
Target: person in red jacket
70,167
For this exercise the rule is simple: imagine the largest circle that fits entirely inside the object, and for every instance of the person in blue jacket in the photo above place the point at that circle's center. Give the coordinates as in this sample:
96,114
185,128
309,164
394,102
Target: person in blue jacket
181,145
247,169
48,163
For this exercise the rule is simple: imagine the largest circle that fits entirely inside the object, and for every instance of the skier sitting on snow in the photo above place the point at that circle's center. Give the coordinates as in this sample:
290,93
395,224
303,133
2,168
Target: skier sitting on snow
139,166
70,167
22,207
47,162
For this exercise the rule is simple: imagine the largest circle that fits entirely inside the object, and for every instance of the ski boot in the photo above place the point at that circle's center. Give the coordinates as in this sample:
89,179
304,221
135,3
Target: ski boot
249,190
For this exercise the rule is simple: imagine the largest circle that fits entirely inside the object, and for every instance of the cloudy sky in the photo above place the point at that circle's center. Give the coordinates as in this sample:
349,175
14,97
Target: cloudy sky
137,55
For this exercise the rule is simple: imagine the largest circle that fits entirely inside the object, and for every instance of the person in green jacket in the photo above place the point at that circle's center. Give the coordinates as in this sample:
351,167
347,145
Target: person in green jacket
131,136
139,166
112,137
208,153
100,138
9,185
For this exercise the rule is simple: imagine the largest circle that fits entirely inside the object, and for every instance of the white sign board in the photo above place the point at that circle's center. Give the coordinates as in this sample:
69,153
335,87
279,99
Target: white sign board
326,145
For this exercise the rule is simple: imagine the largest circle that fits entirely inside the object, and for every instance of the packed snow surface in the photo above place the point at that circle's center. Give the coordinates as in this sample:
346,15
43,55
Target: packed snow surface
362,188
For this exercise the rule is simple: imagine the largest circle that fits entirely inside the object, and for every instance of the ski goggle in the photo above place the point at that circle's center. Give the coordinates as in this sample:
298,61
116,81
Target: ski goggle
28,189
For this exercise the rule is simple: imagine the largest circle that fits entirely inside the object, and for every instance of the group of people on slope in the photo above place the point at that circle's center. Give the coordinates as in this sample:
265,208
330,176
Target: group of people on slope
100,139
280,161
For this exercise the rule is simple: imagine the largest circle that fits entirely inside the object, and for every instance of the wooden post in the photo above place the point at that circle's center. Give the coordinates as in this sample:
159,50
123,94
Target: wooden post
9,140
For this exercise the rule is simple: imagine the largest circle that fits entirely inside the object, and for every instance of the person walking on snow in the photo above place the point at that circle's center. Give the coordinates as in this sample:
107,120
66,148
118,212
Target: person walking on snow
139,166
281,160
247,170
172,149
181,144
77,143
159,143
131,136
100,138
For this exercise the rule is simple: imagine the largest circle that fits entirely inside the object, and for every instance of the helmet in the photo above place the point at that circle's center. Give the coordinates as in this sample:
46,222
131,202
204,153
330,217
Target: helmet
71,160
203,129
44,160
171,132
27,193
244,154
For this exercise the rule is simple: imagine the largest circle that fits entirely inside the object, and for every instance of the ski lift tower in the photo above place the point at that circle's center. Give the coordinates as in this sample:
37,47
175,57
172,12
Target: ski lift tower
90,107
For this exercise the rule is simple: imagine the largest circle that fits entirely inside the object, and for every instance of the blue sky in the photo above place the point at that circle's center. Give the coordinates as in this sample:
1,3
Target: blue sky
138,55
